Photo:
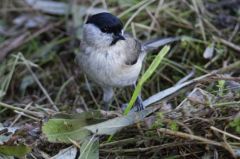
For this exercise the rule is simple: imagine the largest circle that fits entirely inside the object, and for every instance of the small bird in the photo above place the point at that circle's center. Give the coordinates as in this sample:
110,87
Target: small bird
109,57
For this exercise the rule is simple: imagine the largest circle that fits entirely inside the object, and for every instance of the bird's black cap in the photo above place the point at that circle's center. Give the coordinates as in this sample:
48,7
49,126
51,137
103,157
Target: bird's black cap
106,22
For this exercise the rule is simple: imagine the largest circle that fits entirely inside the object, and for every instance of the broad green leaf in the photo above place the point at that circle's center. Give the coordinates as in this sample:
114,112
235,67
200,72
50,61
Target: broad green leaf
90,148
15,150
146,76
64,128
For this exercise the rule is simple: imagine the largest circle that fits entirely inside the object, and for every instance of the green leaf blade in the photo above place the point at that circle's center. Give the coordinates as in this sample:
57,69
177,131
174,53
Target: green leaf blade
146,76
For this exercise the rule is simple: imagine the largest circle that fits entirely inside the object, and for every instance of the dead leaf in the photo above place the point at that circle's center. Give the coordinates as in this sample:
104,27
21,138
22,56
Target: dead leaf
208,53
111,126
69,153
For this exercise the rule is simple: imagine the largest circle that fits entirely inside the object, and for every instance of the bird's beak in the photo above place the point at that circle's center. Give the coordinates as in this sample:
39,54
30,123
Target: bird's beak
117,37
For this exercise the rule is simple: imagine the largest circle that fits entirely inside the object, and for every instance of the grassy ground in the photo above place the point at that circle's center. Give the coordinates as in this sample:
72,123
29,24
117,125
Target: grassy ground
39,77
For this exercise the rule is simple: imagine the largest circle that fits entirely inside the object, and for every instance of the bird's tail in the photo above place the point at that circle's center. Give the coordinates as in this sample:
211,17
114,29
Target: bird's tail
156,43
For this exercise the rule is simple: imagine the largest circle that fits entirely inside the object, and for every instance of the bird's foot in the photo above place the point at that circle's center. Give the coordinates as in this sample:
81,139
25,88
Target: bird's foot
138,105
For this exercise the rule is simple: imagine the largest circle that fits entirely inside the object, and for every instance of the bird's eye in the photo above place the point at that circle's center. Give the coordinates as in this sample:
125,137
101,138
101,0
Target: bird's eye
105,29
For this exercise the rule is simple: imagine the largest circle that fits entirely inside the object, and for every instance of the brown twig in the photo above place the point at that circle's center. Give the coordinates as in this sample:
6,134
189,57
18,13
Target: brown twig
194,137
225,133
158,147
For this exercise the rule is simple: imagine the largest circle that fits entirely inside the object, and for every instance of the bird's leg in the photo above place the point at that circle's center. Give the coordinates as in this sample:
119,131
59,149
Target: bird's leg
138,102
107,97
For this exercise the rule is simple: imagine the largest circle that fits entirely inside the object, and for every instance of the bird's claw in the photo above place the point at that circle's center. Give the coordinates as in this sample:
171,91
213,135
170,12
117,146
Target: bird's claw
138,105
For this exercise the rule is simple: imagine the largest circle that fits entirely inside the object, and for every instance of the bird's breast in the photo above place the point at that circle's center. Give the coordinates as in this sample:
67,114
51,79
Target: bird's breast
108,68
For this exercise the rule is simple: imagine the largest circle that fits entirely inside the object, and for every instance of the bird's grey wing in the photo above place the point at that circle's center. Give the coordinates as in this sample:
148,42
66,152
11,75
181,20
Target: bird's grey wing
133,50
154,44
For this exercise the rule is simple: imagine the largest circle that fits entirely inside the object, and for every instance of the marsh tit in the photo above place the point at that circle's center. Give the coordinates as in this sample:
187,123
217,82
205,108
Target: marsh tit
109,57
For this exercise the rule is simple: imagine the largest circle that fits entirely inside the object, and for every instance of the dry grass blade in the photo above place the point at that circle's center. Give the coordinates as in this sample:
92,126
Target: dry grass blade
225,133
39,83
136,13
228,43
36,114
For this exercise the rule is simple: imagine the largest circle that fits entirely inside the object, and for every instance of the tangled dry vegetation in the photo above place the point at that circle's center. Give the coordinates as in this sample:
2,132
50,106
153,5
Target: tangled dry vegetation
193,97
